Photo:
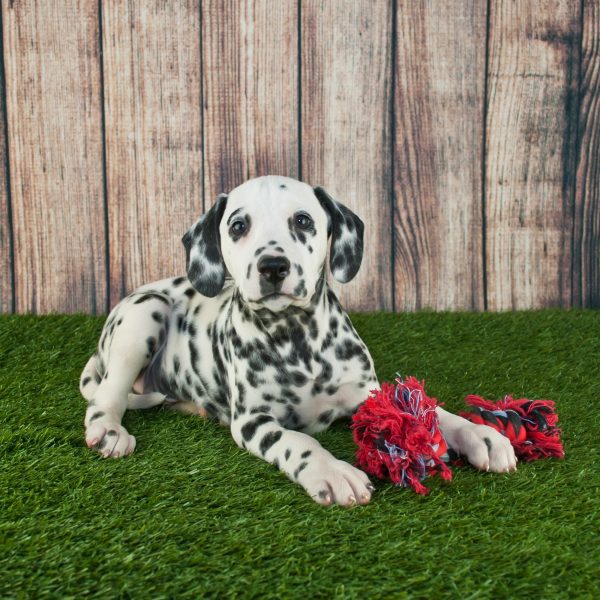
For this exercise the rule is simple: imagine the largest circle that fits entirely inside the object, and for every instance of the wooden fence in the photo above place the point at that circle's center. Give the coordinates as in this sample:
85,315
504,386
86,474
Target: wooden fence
466,133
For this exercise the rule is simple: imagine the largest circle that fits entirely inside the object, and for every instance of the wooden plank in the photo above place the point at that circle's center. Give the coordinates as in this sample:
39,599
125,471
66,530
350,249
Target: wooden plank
587,192
52,62
533,69
153,136
439,99
346,93
6,276
250,64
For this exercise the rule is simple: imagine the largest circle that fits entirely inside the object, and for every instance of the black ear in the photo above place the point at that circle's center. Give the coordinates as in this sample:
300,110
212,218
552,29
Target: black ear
347,232
204,260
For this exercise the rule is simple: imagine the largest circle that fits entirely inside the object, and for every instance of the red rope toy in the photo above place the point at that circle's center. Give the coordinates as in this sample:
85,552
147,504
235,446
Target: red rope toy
530,425
398,436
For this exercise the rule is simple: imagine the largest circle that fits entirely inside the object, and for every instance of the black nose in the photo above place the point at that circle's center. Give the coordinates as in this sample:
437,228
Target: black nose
274,268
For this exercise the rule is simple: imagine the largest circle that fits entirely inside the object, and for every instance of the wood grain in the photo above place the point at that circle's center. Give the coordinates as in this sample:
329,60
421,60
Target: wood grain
586,286
51,55
439,100
346,93
250,86
6,276
531,131
153,136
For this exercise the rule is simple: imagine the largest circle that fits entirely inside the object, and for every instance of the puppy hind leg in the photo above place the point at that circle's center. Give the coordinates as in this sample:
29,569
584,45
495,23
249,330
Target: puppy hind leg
131,349
89,379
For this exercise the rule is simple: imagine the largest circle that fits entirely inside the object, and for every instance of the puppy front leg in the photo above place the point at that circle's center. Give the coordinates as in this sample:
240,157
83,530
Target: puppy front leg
326,479
484,447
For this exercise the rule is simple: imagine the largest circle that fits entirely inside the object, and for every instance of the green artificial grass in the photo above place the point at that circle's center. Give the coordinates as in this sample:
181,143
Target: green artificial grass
190,515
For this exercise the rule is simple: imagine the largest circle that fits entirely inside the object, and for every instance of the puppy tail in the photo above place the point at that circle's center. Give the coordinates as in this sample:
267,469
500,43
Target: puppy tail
140,401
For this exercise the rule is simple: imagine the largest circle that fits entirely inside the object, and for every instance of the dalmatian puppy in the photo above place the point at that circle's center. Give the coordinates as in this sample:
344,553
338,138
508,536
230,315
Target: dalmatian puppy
255,338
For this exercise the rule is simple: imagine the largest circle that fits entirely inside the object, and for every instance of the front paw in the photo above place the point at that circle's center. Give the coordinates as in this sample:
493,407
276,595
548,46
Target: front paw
485,448
332,481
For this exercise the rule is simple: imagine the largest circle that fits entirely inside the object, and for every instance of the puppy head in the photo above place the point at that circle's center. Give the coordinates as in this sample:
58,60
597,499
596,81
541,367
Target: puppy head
271,235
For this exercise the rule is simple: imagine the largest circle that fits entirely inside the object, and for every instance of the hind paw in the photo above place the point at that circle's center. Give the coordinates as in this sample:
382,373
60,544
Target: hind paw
109,439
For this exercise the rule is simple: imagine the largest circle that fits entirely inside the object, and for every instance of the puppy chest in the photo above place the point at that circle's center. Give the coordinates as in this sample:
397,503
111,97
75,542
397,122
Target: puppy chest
303,389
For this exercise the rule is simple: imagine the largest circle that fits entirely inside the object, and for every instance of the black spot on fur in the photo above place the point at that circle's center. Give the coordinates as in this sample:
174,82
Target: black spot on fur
251,378
190,292
178,281
306,454
150,296
96,415
348,349
300,289
291,419
288,396
157,316
196,270
151,343
288,453
85,381
241,391
325,417
269,439
212,253
300,468
327,342
111,433
176,364
212,410
249,429
298,378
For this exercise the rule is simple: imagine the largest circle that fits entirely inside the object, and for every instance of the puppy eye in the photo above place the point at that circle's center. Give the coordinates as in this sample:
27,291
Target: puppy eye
303,221
238,227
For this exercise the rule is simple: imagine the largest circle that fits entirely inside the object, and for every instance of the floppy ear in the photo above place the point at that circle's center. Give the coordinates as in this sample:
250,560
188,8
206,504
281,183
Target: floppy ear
347,232
204,260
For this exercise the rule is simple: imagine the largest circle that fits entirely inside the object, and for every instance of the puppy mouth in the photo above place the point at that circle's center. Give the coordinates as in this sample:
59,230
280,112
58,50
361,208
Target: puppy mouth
274,296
